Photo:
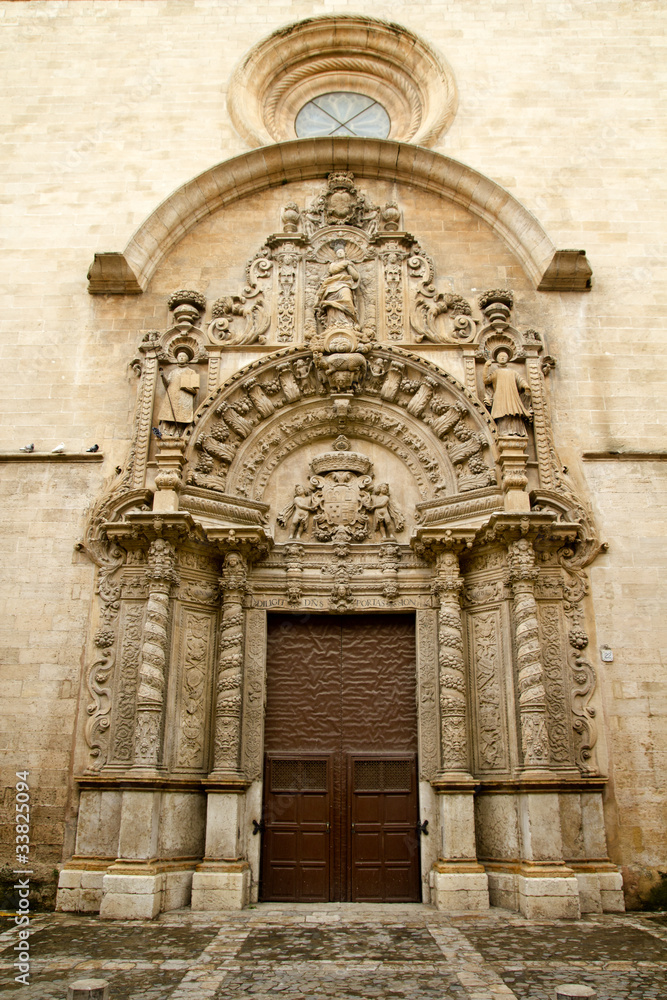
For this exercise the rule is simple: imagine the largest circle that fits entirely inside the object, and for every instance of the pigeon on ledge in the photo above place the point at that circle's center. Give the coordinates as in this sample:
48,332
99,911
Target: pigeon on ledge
95,447
59,449
27,447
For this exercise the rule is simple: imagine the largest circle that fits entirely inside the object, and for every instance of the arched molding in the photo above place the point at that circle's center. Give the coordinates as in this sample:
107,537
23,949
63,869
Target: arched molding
249,174
414,409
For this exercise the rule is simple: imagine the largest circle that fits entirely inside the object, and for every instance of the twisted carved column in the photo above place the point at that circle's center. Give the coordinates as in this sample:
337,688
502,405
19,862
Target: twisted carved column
532,696
229,681
452,676
161,574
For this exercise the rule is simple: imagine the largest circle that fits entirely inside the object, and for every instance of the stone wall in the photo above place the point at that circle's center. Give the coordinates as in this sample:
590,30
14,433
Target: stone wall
114,105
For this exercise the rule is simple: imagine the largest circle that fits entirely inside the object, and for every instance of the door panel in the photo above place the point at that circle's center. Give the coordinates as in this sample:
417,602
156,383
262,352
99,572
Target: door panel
340,799
296,859
384,844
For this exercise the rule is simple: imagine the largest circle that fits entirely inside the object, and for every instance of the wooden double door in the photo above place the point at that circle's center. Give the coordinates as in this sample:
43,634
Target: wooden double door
340,814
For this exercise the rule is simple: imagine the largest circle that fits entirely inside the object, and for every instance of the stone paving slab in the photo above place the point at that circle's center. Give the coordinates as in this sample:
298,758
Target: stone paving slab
342,952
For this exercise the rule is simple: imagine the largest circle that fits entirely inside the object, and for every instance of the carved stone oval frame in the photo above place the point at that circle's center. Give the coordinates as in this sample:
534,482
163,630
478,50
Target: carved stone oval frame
342,52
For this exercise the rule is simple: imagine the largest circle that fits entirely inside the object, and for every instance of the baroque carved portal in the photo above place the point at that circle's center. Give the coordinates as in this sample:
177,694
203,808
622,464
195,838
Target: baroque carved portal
342,471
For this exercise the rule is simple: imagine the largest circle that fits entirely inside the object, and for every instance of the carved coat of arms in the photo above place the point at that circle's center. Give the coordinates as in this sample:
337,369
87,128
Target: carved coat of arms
342,500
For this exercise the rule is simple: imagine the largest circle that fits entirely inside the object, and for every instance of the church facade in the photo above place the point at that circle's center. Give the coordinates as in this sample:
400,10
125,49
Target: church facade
358,598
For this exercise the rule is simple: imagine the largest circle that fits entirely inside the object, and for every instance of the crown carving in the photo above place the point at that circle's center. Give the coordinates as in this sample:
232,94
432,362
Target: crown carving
340,461
340,179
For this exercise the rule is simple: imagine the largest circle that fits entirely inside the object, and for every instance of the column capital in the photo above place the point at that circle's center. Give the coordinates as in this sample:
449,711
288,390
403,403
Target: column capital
431,543
250,543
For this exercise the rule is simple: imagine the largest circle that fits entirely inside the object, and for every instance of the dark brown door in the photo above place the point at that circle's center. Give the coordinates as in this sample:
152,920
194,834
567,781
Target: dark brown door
297,820
340,696
384,849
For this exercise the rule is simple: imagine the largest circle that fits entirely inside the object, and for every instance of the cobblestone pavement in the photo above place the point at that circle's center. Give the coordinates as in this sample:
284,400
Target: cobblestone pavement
342,952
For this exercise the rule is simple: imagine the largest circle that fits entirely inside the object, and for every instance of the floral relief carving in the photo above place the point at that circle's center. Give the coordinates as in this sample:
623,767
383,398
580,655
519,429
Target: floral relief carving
584,722
253,711
490,736
127,681
427,676
99,679
556,696
196,656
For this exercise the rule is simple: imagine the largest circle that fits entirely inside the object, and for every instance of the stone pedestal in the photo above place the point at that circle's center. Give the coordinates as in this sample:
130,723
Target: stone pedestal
549,891
132,892
458,881
221,885
222,881
546,886
80,887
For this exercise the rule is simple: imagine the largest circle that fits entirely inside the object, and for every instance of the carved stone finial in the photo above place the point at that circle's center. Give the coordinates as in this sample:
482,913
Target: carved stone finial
187,296
502,297
290,217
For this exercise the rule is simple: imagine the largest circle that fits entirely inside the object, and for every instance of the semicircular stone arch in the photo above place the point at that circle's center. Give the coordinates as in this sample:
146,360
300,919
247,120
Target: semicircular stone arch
416,422
302,160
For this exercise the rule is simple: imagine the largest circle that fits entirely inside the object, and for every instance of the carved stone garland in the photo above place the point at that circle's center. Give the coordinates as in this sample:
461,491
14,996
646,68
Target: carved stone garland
161,575
532,696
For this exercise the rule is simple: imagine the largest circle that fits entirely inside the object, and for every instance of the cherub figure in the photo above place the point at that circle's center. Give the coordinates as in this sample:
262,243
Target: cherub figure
386,516
299,510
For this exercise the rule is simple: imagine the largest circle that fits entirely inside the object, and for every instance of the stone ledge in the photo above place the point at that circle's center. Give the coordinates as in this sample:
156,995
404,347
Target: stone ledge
47,456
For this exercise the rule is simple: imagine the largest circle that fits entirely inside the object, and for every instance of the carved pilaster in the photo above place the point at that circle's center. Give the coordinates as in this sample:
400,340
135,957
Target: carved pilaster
532,696
229,679
540,421
168,481
144,413
160,575
512,455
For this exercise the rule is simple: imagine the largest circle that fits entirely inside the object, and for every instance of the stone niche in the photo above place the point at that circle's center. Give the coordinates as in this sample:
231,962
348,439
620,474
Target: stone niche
332,428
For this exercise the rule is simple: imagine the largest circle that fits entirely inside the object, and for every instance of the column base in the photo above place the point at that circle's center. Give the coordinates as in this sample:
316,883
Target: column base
459,886
548,891
600,889
221,885
80,886
140,892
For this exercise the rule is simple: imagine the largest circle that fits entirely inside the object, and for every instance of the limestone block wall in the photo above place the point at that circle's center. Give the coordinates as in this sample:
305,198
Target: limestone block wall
118,104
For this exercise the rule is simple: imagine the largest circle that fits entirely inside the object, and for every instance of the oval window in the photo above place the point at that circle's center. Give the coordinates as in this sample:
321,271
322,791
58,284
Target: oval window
342,113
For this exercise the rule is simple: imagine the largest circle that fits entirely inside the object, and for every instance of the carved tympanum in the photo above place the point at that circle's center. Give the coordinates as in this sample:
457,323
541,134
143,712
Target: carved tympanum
342,502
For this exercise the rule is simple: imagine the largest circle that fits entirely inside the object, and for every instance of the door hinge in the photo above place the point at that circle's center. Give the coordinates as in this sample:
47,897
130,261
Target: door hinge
423,828
257,827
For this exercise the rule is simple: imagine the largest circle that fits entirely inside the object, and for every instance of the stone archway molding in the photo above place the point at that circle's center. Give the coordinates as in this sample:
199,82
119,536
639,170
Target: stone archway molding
130,272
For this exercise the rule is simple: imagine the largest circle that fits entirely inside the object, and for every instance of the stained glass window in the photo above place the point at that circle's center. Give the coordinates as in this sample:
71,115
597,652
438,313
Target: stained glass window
343,113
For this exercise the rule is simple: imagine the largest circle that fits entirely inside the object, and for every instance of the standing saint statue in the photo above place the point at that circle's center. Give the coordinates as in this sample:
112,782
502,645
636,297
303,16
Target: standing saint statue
507,407
335,297
178,406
